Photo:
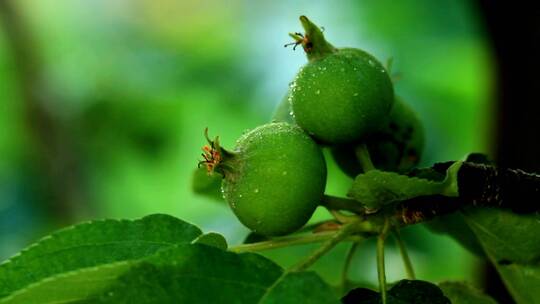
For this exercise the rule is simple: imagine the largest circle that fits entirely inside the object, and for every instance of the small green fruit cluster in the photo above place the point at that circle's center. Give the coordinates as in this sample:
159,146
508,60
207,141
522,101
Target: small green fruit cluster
275,177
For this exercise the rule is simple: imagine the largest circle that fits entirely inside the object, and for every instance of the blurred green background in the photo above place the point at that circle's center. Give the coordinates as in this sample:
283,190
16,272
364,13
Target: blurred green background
104,103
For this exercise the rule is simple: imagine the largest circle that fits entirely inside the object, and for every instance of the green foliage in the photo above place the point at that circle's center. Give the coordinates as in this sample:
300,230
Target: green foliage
522,280
78,286
201,274
463,293
162,259
403,292
417,292
455,226
508,237
212,239
512,244
376,188
92,244
187,268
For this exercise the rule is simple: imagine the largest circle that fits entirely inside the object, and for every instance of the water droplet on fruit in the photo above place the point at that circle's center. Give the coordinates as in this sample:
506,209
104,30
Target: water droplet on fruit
256,190
324,68
284,173
371,63
355,94
318,92
342,69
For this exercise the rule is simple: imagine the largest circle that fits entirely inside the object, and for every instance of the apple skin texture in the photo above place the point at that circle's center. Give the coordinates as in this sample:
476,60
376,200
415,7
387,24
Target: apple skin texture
342,97
276,179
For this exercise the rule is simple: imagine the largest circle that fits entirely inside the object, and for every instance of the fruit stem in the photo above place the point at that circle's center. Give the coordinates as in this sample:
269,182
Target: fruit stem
284,242
339,236
313,42
404,254
362,154
380,261
339,203
347,264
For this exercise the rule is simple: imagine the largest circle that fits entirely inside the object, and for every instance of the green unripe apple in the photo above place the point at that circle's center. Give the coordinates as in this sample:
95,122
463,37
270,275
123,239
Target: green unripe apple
396,147
273,180
341,95
283,111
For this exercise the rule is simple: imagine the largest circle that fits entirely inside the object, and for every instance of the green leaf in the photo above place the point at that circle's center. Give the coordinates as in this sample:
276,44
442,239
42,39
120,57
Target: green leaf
454,225
299,287
375,188
203,274
71,287
464,293
208,185
416,291
403,292
92,244
522,281
361,296
512,243
479,158
212,239
506,236
254,237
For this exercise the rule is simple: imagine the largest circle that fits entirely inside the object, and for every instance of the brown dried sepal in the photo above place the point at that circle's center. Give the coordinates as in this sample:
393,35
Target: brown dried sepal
211,153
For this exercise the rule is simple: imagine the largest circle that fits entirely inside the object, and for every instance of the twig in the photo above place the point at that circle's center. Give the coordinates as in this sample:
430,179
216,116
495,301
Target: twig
343,233
380,260
348,262
404,254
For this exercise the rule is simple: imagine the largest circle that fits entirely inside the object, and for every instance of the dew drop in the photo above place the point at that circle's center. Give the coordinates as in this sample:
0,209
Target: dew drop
284,173
256,190
355,94
318,92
